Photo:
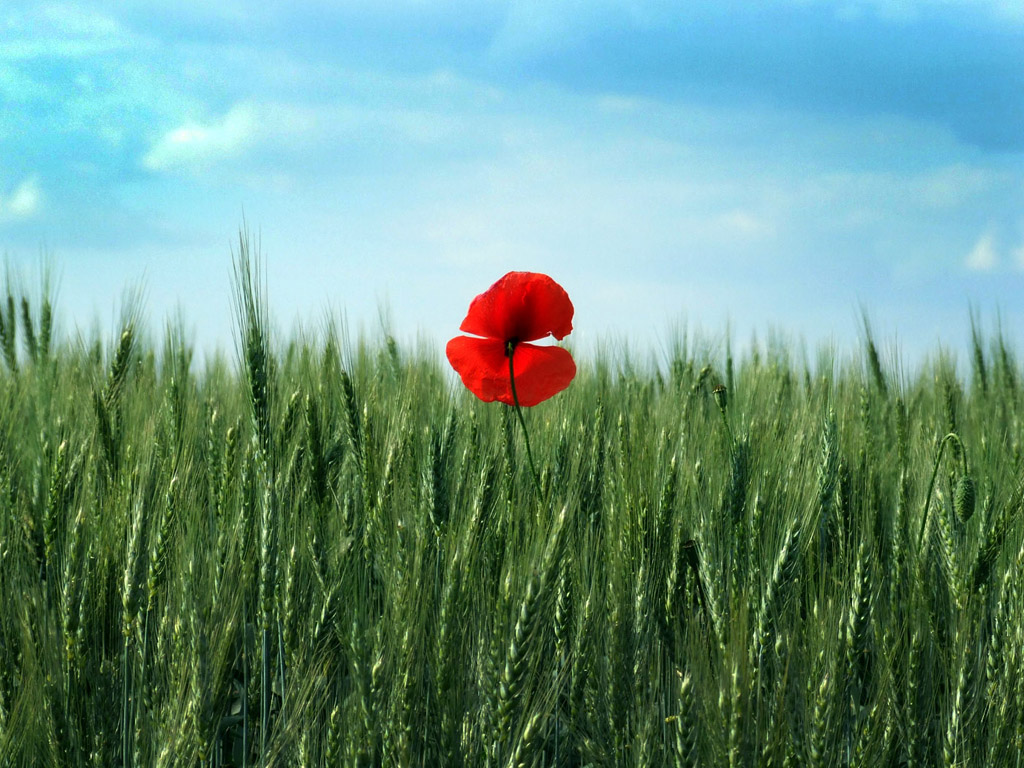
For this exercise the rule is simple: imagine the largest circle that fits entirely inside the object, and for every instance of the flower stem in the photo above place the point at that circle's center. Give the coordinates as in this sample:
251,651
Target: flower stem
510,349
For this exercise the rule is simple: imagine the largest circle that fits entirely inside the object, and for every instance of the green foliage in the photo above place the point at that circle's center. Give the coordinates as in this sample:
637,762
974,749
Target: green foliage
334,556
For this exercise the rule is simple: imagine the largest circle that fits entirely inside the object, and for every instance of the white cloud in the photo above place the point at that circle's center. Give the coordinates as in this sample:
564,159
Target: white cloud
286,138
983,257
23,202
195,145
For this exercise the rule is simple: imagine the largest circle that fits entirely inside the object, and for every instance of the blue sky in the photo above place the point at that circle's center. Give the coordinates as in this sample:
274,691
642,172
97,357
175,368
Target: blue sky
773,165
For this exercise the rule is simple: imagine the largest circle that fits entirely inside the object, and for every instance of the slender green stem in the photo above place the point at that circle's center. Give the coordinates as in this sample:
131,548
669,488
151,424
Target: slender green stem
510,349
721,398
935,471
728,429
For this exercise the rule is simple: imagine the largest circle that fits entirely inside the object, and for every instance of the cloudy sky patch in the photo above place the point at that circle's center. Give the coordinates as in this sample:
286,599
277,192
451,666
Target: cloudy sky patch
194,145
783,162
983,256
23,201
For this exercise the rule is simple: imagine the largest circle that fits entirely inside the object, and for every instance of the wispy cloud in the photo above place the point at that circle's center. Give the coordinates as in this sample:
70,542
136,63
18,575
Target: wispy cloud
23,202
983,257
61,31
195,145
723,50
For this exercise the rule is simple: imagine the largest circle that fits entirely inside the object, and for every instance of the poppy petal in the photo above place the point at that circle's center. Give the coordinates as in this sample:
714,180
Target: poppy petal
521,305
540,371
483,366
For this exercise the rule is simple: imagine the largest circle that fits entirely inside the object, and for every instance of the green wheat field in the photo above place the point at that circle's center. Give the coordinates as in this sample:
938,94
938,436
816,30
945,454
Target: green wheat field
325,552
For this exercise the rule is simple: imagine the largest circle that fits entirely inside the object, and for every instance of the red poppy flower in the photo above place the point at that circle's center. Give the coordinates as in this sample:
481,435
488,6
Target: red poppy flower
521,307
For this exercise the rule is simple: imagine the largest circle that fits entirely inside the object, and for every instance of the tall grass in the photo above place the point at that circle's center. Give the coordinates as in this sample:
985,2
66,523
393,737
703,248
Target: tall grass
330,556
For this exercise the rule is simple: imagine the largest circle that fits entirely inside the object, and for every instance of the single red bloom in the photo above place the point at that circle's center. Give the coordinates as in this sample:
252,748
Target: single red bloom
521,307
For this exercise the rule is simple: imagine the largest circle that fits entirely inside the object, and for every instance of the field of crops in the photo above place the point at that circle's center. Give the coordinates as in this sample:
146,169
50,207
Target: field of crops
322,552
